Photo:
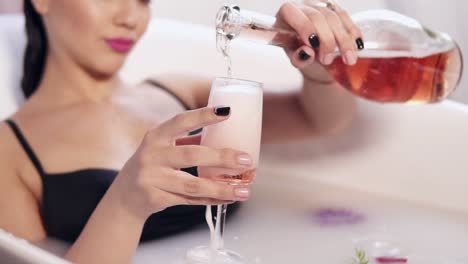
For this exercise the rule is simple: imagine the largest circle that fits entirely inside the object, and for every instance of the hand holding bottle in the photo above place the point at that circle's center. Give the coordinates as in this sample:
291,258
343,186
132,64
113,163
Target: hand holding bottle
403,61
321,28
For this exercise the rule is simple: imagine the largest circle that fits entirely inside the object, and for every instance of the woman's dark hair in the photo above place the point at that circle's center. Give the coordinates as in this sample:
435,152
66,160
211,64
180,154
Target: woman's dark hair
36,50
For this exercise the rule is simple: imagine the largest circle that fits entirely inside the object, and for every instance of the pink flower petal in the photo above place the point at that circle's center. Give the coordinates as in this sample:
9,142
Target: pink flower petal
391,260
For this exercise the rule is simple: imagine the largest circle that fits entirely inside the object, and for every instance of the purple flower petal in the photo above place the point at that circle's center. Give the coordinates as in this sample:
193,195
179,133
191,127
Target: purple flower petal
337,217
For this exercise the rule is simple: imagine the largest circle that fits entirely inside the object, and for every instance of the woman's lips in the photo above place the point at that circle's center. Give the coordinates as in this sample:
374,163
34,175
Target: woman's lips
120,45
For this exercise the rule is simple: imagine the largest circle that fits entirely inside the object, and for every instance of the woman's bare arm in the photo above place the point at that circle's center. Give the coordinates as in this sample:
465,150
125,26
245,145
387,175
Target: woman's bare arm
315,110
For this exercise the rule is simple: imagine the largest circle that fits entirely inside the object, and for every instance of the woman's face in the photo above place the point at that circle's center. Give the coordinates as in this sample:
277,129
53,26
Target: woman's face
95,34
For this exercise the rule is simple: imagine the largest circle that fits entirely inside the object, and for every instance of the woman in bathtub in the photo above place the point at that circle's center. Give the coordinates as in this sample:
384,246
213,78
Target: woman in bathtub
89,159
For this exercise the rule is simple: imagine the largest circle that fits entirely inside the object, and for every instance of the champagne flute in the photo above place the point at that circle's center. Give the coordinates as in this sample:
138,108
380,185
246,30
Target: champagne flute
242,131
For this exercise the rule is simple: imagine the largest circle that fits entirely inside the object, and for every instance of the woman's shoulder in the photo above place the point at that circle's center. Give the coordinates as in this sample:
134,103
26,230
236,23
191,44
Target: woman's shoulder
9,142
15,164
17,200
7,138
10,133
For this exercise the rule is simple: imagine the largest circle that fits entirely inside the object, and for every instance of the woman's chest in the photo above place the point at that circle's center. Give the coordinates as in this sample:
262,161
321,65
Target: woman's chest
102,138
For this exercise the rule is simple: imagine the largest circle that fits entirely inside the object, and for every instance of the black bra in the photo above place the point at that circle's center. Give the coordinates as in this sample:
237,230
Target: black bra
70,198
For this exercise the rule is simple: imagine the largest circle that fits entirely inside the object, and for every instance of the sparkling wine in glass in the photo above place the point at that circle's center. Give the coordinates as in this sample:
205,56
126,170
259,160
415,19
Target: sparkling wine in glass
242,131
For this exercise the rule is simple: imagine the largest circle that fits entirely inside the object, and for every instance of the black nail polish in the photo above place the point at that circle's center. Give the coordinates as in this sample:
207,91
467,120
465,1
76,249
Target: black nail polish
303,56
360,43
222,111
314,41
236,8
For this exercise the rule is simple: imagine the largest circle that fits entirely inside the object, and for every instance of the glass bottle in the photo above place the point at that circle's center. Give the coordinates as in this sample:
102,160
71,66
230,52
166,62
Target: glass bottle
403,61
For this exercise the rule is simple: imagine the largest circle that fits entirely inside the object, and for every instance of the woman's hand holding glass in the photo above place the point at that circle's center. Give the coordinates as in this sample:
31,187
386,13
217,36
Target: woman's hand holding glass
152,180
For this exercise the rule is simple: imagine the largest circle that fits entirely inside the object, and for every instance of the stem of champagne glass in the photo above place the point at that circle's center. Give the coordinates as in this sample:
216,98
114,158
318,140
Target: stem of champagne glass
218,243
222,225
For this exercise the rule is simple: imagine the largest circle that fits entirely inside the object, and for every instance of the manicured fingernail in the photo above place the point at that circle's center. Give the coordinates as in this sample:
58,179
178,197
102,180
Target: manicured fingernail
222,111
242,193
244,160
328,59
360,43
351,57
314,41
236,8
303,56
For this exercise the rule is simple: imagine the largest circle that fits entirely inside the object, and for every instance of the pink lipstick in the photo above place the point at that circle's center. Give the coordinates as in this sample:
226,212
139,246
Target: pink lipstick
120,45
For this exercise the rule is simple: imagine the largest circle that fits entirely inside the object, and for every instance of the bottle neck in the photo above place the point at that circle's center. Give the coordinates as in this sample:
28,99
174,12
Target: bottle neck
232,23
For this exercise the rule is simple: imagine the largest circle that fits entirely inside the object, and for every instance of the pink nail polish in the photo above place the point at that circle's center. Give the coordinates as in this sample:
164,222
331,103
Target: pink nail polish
329,59
242,192
245,160
351,58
